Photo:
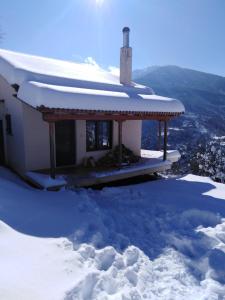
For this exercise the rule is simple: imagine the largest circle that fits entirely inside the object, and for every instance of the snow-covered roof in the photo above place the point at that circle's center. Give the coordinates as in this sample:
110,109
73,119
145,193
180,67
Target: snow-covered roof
17,68
39,94
80,86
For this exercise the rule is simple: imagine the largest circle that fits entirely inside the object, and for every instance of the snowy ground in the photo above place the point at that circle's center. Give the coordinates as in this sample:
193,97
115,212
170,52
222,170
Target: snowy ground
163,239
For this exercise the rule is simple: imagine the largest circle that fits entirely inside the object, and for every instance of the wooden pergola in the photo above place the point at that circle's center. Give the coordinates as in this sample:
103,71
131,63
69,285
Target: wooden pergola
52,115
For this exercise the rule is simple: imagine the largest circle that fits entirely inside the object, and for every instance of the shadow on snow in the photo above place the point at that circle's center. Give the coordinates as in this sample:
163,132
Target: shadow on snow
151,216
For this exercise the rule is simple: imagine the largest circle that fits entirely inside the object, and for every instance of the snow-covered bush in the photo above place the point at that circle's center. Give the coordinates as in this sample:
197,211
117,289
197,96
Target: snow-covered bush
209,160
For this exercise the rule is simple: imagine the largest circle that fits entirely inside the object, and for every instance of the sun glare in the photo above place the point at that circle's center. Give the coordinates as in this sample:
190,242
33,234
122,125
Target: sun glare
99,2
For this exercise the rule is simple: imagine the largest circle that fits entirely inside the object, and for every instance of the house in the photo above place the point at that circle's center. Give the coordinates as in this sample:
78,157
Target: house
56,114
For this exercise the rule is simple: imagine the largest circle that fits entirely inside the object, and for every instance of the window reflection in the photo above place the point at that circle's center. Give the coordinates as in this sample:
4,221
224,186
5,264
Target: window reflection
99,135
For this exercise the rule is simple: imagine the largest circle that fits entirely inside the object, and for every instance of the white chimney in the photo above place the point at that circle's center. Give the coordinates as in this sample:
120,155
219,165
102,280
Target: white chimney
126,59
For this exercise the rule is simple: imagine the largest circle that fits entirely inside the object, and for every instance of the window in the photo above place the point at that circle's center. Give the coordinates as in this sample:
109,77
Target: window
8,124
99,135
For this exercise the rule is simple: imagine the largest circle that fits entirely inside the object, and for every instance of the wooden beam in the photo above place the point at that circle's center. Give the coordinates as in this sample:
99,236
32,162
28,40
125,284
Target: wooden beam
165,141
54,117
52,149
159,135
120,142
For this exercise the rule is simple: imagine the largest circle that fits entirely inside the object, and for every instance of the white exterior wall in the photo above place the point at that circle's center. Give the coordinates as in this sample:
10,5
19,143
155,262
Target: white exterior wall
36,135
14,144
132,131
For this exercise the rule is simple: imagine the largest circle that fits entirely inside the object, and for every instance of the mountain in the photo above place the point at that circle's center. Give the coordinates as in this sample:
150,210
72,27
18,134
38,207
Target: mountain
202,128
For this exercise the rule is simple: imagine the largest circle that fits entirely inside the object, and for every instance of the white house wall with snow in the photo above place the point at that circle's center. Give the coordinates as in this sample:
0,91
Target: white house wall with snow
56,113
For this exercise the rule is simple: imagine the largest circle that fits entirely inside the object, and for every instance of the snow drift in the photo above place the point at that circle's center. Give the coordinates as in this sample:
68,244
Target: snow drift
163,239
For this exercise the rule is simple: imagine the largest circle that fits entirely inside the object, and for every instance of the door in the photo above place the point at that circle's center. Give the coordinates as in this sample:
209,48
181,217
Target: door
65,143
2,149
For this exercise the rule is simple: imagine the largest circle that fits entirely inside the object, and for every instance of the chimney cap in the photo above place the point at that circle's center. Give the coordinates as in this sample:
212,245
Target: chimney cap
126,29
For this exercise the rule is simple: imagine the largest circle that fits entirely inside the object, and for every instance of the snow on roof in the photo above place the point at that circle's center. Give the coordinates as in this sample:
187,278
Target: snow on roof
61,84
17,68
39,94
20,67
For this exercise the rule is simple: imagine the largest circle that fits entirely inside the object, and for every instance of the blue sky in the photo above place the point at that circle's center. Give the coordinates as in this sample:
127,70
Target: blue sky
188,33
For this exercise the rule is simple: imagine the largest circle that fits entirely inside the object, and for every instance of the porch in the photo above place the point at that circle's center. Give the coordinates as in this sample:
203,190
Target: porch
150,162
83,175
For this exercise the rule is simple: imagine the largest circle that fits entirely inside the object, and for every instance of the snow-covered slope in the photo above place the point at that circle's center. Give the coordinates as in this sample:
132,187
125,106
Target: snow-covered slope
163,239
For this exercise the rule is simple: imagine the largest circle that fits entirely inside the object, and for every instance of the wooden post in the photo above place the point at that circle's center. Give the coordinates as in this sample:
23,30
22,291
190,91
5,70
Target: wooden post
52,149
120,132
165,141
159,135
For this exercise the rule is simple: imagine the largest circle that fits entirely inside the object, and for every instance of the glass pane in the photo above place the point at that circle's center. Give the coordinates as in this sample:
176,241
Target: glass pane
104,134
91,135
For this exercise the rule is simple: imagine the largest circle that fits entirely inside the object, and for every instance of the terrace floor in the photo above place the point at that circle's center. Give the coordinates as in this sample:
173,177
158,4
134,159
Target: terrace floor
150,162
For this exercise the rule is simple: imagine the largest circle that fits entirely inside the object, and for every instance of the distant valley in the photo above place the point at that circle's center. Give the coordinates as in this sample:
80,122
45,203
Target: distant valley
200,133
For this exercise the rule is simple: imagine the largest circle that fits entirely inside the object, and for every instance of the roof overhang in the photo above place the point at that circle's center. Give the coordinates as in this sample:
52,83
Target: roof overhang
60,102
54,115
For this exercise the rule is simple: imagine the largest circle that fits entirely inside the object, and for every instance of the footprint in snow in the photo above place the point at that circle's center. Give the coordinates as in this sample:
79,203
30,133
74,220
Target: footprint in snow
105,258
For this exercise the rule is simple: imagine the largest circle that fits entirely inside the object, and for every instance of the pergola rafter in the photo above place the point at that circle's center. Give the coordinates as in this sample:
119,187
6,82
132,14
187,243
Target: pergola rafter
59,114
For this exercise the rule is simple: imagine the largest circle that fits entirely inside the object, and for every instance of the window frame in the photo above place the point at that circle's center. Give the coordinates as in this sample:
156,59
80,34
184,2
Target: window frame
97,130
